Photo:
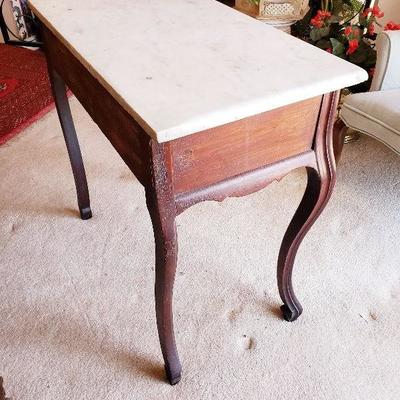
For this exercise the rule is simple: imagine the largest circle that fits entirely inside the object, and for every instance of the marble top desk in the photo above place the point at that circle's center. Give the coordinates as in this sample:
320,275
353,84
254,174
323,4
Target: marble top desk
202,103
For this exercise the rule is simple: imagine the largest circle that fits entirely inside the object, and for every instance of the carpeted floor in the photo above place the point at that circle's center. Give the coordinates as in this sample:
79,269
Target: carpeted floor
76,298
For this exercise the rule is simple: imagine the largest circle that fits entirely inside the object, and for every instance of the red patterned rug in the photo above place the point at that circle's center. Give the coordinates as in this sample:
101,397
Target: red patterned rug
25,93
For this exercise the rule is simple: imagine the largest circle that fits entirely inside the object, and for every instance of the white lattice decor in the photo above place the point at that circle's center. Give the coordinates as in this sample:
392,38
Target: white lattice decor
274,9
280,13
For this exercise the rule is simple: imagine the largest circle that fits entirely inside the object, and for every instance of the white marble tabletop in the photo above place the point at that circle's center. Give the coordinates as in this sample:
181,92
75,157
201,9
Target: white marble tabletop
183,66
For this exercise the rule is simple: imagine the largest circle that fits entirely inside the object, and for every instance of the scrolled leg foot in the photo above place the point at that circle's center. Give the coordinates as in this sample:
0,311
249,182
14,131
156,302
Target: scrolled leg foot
174,375
290,314
86,213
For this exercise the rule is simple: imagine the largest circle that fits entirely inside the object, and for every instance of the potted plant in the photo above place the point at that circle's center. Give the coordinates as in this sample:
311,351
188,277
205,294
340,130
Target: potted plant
346,29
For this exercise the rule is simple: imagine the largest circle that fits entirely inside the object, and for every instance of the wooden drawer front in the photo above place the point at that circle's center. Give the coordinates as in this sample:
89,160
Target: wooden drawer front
211,156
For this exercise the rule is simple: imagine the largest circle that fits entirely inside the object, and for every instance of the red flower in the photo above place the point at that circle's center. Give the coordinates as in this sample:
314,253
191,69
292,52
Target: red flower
317,22
348,30
392,26
329,50
353,46
319,19
375,11
324,14
352,32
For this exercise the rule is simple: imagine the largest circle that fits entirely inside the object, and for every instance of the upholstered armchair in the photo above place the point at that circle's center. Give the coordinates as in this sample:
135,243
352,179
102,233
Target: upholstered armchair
377,113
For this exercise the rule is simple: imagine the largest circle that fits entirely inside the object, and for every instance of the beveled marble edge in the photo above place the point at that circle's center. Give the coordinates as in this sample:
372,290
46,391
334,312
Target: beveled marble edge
250,109
218,117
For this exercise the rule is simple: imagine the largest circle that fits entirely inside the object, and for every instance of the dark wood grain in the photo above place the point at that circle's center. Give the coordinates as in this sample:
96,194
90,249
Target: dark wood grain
216,154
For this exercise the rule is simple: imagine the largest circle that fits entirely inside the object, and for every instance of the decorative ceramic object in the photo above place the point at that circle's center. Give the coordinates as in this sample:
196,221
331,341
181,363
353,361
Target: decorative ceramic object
278,13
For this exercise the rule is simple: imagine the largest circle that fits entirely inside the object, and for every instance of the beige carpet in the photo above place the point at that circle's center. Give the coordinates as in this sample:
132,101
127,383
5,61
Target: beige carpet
76,298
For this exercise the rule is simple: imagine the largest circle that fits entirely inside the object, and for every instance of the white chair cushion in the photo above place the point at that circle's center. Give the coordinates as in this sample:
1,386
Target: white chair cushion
387,72
376,114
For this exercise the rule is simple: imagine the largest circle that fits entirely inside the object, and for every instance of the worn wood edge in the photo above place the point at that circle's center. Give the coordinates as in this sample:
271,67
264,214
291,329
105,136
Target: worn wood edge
245,183
326,132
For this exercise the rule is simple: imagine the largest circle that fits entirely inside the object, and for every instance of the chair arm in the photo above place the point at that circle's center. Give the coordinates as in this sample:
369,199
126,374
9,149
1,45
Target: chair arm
387,73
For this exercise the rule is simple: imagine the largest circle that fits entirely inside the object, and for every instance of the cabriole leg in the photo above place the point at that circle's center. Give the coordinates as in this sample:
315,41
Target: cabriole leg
321,180
71,140
162,212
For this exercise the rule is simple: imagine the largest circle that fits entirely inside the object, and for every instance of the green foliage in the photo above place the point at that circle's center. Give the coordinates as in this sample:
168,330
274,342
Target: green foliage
343,11
318,34
364,55
338,48
339,27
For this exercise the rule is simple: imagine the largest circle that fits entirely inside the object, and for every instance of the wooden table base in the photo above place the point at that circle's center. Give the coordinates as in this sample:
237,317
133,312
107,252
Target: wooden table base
229,161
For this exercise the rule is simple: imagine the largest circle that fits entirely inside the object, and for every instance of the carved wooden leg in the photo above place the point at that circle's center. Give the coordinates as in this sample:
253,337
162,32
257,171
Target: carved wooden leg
71,140
321,180
162,211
